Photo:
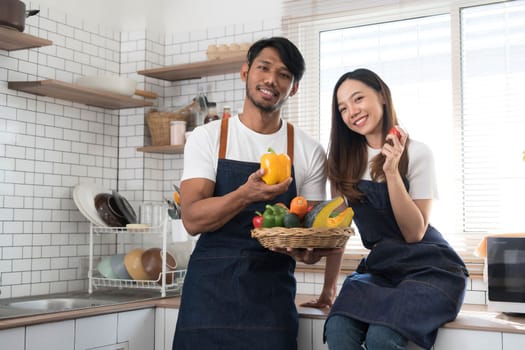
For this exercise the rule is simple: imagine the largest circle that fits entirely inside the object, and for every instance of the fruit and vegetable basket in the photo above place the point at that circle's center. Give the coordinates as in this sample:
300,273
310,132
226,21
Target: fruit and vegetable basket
316,226
303,237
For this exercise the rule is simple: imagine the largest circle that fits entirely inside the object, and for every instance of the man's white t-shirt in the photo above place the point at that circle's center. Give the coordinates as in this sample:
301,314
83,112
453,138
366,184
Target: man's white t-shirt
421,174
202,148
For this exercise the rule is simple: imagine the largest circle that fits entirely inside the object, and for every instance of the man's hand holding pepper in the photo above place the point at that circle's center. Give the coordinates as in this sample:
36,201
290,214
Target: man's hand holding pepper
260,191
204,212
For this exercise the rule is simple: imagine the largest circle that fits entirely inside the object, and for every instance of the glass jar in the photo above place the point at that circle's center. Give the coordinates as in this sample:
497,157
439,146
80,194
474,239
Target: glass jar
177,132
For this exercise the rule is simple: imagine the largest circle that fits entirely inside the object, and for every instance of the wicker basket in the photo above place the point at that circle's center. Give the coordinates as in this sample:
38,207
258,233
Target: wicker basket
302,237
159,124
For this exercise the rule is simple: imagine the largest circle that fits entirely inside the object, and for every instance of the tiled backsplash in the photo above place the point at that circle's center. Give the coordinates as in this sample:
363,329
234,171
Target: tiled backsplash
47,145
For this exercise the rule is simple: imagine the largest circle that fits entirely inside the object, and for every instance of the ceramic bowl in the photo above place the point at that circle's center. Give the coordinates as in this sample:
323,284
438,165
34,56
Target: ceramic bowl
111,83
104,267
134,266
152,263
108,212
118,267
121,205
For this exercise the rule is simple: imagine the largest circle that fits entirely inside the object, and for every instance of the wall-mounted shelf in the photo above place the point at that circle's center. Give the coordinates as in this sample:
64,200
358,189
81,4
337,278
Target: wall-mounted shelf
76,93
198,69
168,149
11,39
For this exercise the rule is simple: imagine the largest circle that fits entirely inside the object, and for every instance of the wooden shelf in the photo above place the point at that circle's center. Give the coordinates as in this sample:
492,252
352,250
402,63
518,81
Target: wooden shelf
168,149
187,71
12,39
197,70
76,93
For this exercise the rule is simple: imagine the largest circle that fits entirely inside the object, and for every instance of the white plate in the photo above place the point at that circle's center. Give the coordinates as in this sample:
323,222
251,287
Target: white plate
84,197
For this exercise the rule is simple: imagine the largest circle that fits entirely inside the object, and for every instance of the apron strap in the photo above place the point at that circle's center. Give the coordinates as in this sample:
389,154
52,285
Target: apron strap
289,137
223,140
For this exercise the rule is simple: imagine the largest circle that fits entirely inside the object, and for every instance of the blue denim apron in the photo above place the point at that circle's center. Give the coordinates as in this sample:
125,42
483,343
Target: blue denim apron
412,288
237,294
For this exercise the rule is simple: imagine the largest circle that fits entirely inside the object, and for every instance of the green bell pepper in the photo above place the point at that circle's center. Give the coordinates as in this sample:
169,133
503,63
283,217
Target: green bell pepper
273,216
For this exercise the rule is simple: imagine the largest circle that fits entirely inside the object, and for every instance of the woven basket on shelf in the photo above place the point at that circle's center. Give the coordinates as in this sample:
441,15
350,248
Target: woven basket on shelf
302,237
159,124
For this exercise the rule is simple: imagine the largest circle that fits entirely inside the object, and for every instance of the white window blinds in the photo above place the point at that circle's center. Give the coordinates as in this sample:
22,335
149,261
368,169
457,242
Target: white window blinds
493,76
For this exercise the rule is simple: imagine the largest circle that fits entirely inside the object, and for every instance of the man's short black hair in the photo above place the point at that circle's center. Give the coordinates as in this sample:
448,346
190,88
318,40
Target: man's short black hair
289,53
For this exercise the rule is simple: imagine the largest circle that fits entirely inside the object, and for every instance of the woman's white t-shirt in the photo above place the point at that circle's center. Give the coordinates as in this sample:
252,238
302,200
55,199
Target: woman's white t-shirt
421,174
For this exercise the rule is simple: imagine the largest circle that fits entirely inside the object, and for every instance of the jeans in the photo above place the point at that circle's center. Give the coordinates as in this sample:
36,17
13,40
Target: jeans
345,333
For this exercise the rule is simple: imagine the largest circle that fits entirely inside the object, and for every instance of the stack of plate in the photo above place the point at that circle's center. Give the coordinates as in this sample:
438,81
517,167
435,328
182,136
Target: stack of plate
84,197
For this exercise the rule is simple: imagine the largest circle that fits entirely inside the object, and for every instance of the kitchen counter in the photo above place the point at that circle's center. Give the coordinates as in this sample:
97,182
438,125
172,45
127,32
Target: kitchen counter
471,317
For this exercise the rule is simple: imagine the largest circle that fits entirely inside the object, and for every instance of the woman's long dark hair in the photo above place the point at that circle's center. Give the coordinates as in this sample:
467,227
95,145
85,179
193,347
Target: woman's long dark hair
347,151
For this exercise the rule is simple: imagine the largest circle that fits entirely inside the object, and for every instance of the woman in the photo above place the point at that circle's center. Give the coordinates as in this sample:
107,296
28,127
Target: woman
412,281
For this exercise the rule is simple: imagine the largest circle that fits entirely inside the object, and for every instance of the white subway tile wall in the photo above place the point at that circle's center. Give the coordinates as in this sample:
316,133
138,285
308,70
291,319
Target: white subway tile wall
48,145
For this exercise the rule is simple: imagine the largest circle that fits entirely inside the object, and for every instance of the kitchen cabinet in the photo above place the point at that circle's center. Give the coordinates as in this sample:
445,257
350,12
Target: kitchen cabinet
462,339
165,322
197,70
304,336
11,40
51,336
513,341
95,331
137,328
77,93
133,330
13,339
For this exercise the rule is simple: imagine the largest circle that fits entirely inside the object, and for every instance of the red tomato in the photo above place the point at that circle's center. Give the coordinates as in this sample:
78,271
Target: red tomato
257,221
393,130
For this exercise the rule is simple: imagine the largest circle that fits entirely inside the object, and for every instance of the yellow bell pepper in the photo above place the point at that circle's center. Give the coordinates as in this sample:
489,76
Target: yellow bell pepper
277,167
343,219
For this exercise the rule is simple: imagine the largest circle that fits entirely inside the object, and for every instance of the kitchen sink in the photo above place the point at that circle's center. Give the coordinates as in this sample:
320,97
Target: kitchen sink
57,304
66,301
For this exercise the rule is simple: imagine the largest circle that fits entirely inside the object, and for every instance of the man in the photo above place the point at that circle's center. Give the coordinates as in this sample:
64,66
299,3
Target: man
237,294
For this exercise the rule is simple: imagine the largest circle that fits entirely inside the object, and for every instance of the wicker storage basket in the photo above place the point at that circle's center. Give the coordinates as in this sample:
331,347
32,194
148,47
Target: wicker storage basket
302,237
159,124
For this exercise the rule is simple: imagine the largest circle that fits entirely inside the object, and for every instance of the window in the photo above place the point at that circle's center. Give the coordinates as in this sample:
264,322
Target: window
456,76
493,121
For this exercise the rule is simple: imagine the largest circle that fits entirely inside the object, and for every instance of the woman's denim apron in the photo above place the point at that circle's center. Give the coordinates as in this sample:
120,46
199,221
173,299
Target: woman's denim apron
237,294
412,288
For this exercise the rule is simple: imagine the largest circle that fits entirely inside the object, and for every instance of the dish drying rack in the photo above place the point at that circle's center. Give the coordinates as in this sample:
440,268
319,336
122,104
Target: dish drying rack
148,234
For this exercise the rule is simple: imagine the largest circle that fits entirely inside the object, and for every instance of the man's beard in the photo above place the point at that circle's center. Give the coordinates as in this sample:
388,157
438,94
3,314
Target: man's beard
263,107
